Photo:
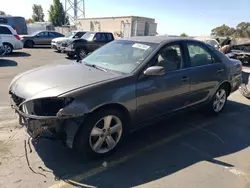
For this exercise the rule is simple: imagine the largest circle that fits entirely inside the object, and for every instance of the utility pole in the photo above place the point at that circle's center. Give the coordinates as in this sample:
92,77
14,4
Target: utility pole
74,9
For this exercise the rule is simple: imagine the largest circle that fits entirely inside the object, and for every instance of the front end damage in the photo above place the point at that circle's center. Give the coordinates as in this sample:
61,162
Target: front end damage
40,115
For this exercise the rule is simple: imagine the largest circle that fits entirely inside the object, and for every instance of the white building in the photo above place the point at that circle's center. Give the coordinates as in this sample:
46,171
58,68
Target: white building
124,26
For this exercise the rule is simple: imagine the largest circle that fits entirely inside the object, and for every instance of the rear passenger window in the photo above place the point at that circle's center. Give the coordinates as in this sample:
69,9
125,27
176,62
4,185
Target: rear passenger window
5,31
51,34
199,55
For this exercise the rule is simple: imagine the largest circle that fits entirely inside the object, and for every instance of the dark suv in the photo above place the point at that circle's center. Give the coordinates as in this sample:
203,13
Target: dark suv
89,42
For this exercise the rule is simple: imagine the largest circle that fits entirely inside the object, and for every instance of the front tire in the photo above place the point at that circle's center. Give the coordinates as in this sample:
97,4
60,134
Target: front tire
29,44
100,134
81,53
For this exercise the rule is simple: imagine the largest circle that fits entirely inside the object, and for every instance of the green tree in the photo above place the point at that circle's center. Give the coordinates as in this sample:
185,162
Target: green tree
241,30
57,14
2,13
222,31
183,35
38,15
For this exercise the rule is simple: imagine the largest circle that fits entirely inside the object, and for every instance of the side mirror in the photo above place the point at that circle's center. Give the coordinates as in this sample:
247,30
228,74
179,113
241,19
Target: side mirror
216,46
76,37
154,71
37,36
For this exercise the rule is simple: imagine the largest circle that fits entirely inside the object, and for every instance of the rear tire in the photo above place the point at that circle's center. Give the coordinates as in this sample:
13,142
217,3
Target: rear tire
218,101
100,134
8,48
29,44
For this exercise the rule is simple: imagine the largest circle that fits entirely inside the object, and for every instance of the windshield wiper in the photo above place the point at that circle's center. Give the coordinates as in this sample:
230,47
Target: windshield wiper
96,67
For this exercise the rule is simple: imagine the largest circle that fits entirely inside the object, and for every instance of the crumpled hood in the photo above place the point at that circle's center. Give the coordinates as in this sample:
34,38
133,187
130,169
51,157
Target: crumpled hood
54,80
59,39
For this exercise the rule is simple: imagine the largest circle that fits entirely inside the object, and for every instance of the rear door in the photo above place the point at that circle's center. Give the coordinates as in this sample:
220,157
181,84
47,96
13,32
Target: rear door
207,72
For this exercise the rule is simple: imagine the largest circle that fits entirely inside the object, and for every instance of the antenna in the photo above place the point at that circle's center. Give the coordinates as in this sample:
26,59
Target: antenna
74,9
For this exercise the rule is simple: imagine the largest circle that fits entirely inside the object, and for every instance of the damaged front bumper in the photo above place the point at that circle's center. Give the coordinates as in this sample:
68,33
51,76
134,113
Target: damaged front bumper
38,124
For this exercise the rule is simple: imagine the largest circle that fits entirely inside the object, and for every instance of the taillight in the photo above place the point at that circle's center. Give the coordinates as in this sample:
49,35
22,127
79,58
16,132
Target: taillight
17,37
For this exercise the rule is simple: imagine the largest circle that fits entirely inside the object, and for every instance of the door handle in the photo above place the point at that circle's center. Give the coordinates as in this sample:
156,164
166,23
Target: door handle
220,70
184,79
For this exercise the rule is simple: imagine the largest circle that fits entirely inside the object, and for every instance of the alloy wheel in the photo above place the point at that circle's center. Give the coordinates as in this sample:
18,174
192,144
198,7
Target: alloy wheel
219,100
8,48
106,134
82,54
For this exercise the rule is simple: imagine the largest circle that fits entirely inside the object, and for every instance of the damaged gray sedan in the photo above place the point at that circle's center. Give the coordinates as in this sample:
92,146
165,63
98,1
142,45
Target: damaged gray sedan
123,85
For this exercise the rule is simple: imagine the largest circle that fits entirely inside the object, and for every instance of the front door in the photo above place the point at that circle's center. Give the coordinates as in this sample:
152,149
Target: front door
159,95
42,38
206,70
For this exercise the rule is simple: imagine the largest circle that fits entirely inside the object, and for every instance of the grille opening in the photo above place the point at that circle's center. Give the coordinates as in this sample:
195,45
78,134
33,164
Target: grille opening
17,100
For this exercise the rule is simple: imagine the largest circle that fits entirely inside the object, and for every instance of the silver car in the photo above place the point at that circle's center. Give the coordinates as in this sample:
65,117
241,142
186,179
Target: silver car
39,38
124,84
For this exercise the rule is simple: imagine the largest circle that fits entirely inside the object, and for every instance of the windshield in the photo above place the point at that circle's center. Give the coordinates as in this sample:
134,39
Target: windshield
122,56
70,35
88,36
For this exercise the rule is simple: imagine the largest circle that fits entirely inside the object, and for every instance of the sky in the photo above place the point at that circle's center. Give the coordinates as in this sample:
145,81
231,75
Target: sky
194,17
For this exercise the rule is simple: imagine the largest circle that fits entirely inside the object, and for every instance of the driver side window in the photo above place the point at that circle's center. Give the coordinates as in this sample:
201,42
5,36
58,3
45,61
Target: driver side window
43,34
170,57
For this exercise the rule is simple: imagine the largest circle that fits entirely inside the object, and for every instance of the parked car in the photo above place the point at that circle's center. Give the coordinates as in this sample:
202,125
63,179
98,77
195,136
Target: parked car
39,38
56,43
2,49
210,41
121,86
226,46
89,42
10,39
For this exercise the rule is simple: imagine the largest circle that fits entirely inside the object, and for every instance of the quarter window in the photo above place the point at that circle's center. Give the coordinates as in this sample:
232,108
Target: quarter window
199,55
170,58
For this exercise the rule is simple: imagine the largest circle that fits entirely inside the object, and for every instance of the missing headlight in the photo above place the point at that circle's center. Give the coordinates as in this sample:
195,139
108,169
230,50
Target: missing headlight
48,106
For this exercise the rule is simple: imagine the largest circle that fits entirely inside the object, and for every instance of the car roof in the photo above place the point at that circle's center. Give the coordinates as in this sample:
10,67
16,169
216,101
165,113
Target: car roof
4,25
78,31
157,39
47,31
94,32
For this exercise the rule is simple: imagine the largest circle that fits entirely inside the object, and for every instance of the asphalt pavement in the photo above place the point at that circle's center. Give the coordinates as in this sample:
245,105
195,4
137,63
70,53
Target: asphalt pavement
190,150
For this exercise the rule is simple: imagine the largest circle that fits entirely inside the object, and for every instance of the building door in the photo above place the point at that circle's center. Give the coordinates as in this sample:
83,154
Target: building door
126,32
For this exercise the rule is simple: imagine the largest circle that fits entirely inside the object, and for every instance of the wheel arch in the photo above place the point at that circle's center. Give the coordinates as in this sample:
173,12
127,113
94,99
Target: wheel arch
227,85
9,44
29,40
72,131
